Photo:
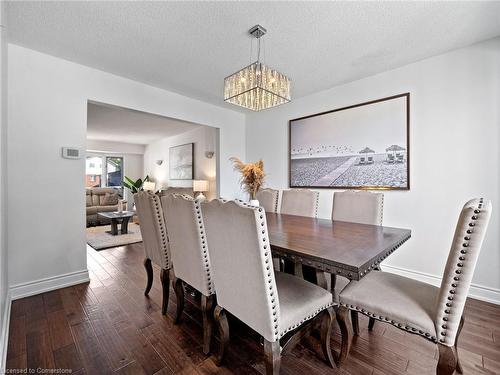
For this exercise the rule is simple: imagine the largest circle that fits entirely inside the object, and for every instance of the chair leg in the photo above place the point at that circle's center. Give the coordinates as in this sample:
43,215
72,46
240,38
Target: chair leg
371,323
149,272
447,360
223,327
207,304
326,328
343,319
459,365
179,293
272,357
355,322
165,281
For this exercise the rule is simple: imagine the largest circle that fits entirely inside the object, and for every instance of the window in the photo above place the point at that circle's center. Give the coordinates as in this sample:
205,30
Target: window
93,171
114,173
104,171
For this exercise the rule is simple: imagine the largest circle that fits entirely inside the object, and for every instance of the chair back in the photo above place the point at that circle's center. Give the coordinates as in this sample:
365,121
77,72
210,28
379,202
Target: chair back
153,229
268,199
462,259
300,202
188,246
362,207
242,264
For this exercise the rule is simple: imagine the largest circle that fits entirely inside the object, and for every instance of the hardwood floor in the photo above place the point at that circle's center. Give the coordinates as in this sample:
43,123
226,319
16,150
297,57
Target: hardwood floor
108,326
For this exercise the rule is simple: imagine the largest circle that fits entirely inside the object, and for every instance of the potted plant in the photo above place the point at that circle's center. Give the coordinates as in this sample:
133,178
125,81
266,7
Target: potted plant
134,186
252,177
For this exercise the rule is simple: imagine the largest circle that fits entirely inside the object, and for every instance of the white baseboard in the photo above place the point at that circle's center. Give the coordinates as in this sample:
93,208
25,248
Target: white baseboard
476,291
50,283
4,334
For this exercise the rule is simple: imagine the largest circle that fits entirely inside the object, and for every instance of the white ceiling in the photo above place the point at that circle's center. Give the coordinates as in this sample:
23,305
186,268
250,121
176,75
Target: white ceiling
189,47
108,123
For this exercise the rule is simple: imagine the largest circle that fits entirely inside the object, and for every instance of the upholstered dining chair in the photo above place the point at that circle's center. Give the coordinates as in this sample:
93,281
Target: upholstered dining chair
434,313
300,202
278,306
362,207
155,241
268,199
190,257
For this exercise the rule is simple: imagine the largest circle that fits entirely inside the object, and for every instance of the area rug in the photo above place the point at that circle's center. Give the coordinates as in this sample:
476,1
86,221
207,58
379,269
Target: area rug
99,239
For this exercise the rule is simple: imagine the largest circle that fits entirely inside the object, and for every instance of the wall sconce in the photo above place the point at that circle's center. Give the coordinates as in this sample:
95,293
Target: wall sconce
159,162
209,154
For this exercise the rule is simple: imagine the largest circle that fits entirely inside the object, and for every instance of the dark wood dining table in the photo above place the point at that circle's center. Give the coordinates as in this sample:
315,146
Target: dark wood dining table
340,248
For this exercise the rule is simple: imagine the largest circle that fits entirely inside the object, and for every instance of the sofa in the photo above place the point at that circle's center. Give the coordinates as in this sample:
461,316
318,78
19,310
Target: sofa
96,202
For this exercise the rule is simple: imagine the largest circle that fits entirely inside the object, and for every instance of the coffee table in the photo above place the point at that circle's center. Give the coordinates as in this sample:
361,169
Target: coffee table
118,217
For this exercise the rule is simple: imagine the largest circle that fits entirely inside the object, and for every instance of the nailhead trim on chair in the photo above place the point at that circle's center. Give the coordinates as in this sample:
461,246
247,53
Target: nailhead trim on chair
260,217
405,327
460,264
382,210
316,205
202,239
162,228
309,317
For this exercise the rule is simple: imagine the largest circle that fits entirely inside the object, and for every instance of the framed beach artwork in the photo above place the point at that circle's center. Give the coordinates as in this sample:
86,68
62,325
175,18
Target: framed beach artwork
363,146
181,162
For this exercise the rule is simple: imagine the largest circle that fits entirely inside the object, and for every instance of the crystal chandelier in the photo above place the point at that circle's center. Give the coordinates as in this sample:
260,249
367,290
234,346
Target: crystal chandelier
257,86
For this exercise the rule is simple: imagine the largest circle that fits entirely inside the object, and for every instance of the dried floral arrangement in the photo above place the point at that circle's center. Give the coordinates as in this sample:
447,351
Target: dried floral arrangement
252,175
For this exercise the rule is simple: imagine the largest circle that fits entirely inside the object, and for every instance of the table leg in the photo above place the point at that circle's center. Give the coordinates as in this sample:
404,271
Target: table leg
124,228
114,227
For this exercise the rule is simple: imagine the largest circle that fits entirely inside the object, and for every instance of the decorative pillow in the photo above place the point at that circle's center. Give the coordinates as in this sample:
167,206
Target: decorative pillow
110,199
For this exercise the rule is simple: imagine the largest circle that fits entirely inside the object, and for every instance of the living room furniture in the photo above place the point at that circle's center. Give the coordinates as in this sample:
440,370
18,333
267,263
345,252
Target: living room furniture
96,203
433,313
154,238
118,218
277,306
190,257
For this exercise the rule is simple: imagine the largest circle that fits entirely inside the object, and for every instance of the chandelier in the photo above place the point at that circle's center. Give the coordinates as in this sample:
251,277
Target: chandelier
257,86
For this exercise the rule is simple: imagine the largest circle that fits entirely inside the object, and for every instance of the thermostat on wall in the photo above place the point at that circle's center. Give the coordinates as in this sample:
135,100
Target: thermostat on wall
71,153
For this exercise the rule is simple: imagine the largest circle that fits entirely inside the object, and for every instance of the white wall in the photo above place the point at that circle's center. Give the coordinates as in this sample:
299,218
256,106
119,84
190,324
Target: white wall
454,141
204,168
4,303
47,110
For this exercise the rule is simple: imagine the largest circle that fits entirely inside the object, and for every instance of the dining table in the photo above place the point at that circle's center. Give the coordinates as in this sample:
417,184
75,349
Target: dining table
340,248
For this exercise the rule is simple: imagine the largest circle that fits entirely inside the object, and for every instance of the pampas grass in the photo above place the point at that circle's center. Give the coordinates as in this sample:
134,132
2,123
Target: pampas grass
252,175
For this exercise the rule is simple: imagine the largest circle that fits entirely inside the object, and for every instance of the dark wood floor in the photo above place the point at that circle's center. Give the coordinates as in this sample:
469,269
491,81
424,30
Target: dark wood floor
109,326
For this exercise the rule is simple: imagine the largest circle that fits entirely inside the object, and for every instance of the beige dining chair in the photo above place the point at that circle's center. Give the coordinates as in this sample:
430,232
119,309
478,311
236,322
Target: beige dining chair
435,314
362,207
300,202
155,241
190,257
278,306
268,198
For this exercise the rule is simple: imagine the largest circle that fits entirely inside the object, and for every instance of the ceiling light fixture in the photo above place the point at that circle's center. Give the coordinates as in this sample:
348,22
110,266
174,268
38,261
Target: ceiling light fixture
257,86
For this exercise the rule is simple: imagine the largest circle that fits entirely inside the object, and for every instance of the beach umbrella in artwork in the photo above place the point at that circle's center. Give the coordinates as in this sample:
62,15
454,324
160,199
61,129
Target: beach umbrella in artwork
367,150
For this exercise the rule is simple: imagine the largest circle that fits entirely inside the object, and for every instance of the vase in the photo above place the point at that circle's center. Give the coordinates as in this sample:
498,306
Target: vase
120,206
254,202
